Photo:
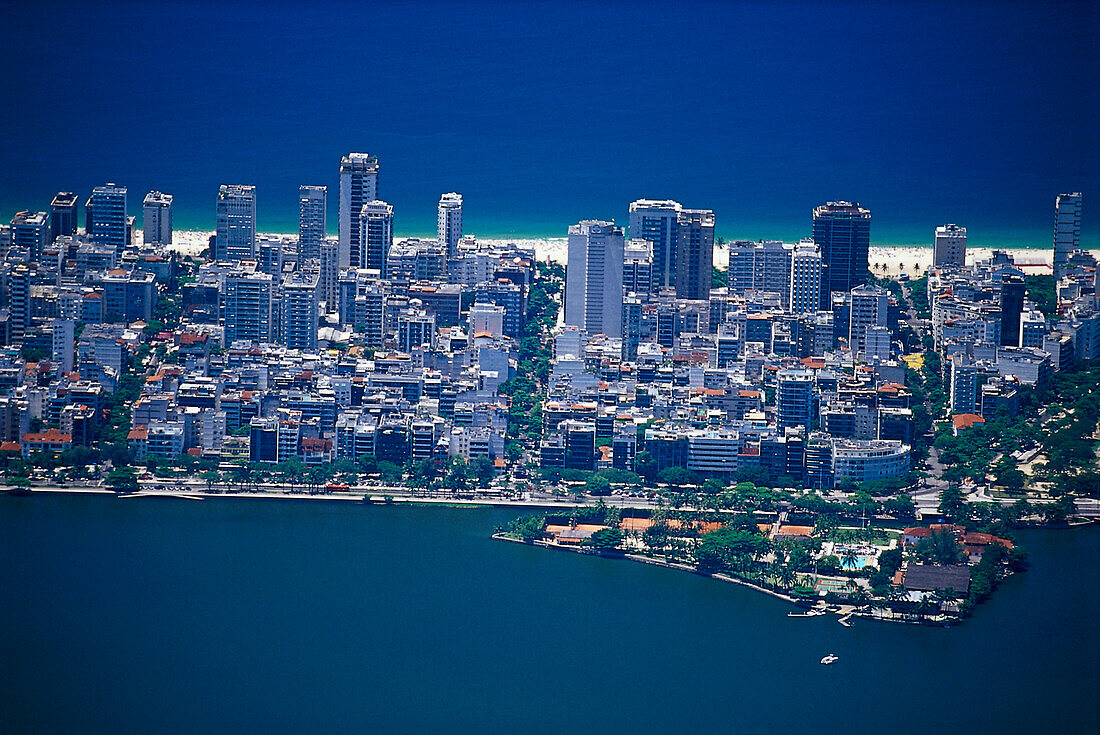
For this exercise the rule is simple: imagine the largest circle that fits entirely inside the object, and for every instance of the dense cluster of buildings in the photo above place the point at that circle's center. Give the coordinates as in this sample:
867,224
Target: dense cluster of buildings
994,341
358,346
310,347
788,368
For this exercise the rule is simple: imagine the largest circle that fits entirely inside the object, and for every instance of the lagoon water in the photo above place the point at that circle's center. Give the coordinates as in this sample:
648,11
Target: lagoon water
223,616
547,113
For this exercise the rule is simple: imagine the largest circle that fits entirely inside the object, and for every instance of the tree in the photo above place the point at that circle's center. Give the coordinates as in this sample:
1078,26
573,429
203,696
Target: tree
677,476
728,548
212,477
645,465
656,537
605,540
482,470
889,561
901,506
597,485
1058,511
829,564
122,480
939,548
953,505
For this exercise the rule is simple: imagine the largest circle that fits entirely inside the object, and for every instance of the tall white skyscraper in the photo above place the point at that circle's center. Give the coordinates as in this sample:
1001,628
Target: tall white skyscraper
300,310
1067,229
657,221
375,235
949,246
594,278
312,210
156,218
358,186
450,222
805,287
236,225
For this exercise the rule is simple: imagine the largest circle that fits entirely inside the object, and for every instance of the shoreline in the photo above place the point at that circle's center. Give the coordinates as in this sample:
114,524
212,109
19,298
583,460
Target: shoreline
843,612
886,259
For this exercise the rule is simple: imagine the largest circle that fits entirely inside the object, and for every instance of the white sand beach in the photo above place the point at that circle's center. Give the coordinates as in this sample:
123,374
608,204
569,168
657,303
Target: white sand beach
885,260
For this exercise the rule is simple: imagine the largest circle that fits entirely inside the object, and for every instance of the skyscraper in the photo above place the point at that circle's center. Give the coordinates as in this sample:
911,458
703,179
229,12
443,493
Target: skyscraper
637,266
63,215
594,278
949,246
19,301
843,232
247,312
794,398
1012,306
300,310
805,283
375,235
156,218
105,216
330,272
870,306
657,221
449,222
694,253
312,210
236,226
358,186
1067,229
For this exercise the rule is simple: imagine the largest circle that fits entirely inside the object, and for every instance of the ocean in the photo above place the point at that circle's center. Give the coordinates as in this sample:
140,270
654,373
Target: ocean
169,615
542,114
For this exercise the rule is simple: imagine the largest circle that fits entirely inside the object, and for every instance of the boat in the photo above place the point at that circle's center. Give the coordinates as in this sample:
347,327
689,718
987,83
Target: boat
829,659
808,614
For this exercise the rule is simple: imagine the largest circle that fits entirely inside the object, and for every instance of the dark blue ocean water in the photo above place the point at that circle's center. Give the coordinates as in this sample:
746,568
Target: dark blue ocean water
545,113
255,616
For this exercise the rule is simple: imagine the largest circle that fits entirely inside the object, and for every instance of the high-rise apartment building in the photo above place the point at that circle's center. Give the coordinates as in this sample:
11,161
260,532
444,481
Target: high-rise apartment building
657,221
330,272
449,222
375,235
19,301
1067,229
805,281
949,247
694,253
248,300
300,310
312,210
105,218
794,398
843,232
64,340
594,278
358,187
235,237
870,306
31,230
156,218
63,215
637,266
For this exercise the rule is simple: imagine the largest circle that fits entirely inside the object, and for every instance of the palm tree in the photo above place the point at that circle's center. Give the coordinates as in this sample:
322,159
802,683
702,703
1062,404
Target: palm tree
849,558
786,576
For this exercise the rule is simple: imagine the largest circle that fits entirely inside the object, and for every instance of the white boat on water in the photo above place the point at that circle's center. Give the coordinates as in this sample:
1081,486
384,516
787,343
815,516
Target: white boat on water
829,659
